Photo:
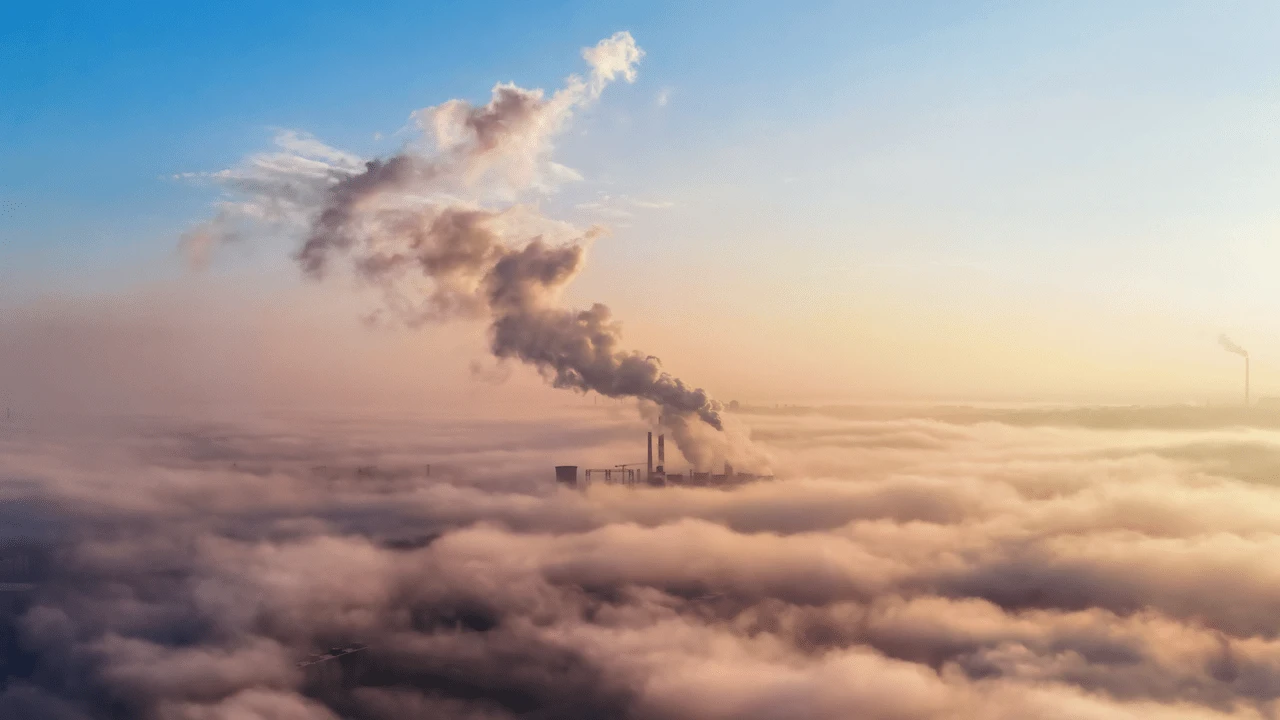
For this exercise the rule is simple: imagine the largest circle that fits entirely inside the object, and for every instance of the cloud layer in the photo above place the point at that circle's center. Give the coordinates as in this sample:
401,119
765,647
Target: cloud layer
911,566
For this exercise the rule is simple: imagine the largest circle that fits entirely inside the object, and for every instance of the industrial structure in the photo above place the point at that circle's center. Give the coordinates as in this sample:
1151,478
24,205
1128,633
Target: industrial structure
333,674
331,654
1235,348
628,474
23,565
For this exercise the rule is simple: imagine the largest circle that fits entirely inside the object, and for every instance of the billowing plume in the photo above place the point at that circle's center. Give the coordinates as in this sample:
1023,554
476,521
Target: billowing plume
1231,346
440,229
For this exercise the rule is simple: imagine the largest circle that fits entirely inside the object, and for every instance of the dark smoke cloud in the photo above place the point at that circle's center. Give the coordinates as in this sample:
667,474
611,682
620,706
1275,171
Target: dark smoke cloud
417,226
579,349
184,567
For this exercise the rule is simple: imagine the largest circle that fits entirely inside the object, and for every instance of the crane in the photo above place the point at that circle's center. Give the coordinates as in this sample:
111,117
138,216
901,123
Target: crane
629,475
624,467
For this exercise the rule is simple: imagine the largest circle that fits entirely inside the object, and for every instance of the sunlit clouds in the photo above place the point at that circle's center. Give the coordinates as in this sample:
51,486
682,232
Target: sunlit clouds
907,564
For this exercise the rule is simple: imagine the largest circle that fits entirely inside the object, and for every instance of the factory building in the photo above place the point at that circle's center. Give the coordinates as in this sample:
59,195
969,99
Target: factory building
23,566
329,675
22,563
567,475
655,475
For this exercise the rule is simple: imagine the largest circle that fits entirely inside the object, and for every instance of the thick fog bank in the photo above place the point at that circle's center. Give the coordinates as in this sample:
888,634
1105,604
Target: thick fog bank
912,566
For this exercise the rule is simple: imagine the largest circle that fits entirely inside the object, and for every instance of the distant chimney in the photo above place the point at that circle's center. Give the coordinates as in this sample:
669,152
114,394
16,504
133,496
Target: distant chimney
649,476
662,453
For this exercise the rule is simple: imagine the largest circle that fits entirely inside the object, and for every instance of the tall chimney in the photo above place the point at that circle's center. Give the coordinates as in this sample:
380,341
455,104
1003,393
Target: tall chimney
662,453
649,476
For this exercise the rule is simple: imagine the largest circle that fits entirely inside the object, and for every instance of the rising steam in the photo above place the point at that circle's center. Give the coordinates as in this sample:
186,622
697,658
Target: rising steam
439,229
1231,346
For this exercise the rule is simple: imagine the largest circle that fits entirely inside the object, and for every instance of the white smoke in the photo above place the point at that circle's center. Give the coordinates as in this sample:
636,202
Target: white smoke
440,230
1231,346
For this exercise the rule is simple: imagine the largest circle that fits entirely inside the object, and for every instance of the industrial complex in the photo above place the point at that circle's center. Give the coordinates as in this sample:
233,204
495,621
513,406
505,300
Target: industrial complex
648,474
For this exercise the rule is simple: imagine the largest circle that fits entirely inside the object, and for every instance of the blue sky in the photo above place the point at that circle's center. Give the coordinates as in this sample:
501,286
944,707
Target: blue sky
841,166
102,101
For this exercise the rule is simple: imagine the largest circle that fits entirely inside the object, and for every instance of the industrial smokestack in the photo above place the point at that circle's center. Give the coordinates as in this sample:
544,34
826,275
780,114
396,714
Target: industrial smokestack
662,451
1232,347
649,474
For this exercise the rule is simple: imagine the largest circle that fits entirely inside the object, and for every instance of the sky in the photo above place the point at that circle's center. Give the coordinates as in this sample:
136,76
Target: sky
303,306
808,201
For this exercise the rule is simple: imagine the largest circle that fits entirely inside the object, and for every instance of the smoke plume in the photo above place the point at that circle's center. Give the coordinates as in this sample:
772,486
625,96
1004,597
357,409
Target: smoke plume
439,228
1231,346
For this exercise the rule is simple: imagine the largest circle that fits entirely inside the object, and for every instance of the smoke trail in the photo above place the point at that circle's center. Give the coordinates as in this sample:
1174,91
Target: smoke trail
1231,346
441,232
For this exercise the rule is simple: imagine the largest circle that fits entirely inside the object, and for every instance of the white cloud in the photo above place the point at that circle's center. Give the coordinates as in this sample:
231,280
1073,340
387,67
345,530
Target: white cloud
611,57
915,564
652,204
604,209
306,145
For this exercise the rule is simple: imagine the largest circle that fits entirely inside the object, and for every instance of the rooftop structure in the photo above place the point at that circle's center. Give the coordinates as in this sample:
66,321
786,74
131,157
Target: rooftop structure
613,476
331,674
332,654
655,475
15,563
23,562
20,575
